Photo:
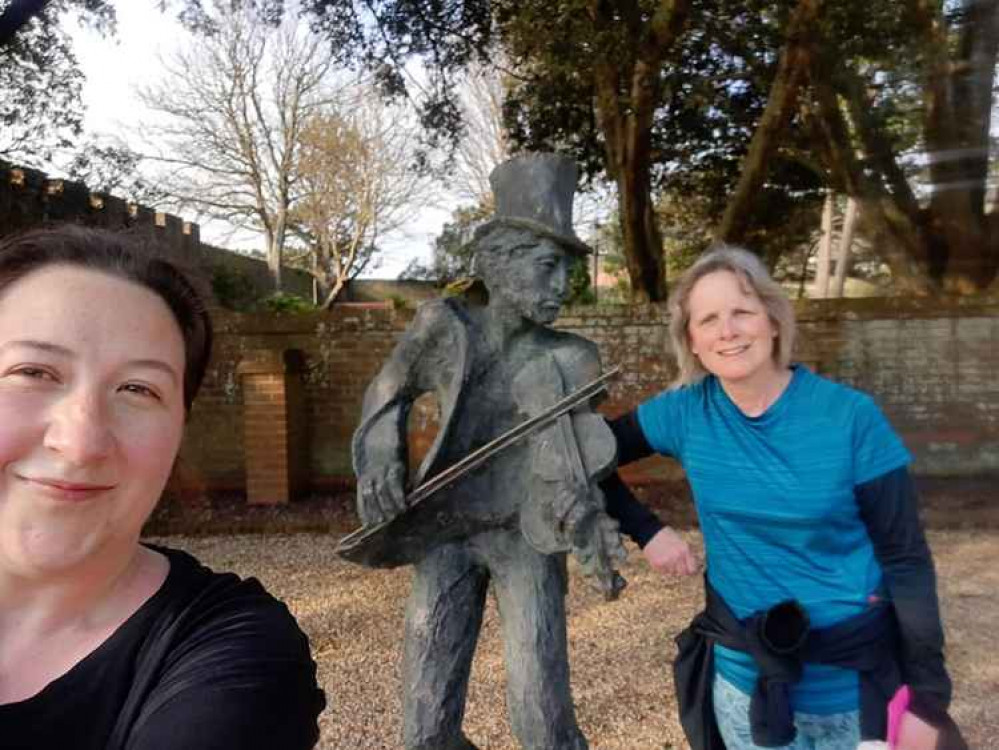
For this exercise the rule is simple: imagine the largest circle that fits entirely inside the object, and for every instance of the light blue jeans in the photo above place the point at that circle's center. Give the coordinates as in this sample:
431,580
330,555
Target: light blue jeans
815,731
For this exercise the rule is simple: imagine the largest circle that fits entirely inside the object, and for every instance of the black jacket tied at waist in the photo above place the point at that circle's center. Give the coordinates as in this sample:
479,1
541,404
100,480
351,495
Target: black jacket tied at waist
780,640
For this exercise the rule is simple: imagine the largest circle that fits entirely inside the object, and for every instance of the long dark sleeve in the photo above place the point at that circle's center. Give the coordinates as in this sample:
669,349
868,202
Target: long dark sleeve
888,507
637,522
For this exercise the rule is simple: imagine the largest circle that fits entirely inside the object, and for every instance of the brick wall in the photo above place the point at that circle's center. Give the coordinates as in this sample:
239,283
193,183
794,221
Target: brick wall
930,364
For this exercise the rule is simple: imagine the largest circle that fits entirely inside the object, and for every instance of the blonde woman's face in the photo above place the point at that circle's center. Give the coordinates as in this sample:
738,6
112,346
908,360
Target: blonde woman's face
730,330
91,416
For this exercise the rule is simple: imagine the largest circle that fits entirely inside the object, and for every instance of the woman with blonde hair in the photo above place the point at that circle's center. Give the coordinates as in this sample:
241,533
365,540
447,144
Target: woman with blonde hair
820,589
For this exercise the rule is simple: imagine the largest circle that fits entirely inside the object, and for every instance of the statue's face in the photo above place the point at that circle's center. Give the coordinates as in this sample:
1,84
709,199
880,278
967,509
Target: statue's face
532,277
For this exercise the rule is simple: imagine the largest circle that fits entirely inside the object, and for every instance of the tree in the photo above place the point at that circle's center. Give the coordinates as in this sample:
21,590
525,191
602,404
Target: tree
766,104
950,241
111,167
484,141
772,104
235,106
618,47
451,260
41,109
483,145
774,121
357,183
616,50
877,83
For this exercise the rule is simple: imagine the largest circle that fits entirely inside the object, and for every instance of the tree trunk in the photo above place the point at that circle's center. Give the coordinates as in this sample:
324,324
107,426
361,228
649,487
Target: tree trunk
897,234
275,252
625,107
792,70
334,292
824,258
845,248
628,153
959,106
643,245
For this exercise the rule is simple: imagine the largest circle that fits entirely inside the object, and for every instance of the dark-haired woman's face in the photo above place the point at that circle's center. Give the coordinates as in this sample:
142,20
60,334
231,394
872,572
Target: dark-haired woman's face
91,415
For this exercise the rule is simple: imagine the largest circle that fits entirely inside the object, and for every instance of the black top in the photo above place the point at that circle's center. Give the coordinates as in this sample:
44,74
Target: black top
637,522
209,662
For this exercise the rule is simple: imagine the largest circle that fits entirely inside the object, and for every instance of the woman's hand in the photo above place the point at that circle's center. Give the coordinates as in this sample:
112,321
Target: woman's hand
666,552
916,734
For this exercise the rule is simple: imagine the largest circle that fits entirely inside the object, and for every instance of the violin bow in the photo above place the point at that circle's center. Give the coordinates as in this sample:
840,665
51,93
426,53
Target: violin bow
514,435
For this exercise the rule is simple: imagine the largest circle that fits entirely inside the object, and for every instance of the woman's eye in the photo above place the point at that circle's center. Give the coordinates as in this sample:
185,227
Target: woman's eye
33,373
140,390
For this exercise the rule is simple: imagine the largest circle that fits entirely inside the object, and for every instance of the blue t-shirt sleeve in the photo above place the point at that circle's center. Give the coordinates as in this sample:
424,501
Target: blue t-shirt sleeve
661,420
877,449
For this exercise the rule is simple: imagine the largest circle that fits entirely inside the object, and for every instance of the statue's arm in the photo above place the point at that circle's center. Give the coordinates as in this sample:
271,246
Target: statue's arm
380,446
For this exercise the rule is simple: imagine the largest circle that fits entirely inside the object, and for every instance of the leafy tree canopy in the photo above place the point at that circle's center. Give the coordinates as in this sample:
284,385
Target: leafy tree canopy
40,80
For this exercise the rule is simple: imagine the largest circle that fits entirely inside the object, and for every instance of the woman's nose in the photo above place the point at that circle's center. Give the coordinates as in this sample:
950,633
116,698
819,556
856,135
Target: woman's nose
726,327
79,429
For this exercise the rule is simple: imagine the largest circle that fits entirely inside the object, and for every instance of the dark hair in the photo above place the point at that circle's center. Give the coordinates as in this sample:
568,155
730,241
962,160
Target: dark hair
130,258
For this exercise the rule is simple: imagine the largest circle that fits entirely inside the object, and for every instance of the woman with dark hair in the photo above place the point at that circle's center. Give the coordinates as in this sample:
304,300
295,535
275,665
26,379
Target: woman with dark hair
821,595
107,643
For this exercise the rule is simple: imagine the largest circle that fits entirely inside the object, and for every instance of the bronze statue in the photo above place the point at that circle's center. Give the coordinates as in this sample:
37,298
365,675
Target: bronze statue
511,519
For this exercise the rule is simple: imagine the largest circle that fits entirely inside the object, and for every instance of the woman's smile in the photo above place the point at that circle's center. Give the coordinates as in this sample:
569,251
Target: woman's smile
64,490
734,350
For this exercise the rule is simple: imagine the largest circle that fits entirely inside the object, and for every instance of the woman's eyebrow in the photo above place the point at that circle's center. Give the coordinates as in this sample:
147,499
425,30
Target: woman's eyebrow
62,351
155,364
45,346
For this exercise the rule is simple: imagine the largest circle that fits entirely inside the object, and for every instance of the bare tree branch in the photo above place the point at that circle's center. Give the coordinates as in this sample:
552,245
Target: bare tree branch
233,108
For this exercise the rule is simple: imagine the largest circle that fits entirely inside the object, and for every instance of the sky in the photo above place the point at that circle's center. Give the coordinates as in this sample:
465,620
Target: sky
116,67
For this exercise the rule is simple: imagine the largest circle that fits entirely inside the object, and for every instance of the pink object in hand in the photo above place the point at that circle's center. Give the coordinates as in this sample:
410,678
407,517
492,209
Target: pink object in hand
896,710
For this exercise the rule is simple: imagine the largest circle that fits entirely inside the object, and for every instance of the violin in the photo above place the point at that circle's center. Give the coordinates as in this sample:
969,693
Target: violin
566,510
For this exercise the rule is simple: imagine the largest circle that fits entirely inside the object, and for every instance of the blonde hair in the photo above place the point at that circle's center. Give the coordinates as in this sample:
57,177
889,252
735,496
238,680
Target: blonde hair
750,269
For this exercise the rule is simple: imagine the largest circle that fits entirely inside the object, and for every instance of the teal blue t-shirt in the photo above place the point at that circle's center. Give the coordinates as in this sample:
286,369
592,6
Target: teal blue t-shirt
775,500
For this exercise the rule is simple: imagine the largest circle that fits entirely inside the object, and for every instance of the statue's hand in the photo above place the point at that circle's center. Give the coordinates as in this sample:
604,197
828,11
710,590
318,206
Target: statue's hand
596,543
599,553
381,493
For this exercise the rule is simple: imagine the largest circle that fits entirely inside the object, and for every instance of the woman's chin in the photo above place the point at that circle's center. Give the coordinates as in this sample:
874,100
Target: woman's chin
53,553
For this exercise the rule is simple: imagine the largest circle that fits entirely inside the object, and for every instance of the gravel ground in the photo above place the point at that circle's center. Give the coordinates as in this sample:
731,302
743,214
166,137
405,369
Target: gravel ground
620,652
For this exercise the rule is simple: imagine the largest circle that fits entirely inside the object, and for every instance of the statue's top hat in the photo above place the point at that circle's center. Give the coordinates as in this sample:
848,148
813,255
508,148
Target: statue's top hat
535,191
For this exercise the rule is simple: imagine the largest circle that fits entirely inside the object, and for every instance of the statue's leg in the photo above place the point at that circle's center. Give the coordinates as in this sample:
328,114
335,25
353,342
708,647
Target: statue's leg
530,591
443,617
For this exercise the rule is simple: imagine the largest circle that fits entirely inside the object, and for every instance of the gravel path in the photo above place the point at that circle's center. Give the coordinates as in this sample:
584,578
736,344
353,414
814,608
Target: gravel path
620,652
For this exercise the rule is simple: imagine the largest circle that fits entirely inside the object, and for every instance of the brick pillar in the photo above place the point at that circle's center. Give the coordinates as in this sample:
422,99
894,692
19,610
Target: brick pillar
273,426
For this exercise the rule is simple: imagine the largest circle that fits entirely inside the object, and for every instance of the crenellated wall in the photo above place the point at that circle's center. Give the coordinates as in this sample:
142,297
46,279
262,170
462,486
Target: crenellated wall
29,197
